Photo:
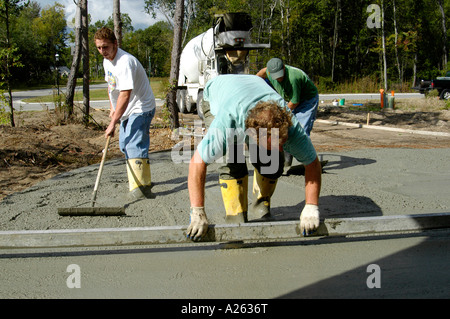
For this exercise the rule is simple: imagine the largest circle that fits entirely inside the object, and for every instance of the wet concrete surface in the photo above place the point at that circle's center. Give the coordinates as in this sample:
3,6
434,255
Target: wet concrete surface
379,267
372,182
360,183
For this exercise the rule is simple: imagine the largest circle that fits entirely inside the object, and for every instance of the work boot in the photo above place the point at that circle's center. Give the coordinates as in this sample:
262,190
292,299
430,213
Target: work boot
139,178
263,189
234,195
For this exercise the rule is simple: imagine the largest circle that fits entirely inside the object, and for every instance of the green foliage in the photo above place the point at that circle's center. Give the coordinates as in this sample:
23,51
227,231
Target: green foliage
38,34
151,47
447,105
301,32
4,115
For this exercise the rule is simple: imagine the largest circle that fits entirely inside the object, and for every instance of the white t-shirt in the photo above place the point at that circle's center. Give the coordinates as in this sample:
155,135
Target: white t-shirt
125,72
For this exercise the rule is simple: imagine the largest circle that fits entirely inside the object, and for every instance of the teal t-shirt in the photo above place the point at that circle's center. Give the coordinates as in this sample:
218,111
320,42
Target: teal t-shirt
296,85
230,97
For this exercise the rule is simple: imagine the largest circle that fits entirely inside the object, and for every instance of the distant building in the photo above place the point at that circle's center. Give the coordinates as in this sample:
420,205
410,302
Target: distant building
64,71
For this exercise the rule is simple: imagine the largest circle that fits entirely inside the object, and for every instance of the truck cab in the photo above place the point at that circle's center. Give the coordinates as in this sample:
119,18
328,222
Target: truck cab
441,84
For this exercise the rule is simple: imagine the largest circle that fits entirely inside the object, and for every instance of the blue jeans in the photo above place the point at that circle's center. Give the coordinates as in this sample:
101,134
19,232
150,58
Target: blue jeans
134,136
306,112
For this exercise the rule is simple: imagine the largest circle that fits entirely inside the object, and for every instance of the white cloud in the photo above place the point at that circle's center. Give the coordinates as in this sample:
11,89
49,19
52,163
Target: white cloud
101,10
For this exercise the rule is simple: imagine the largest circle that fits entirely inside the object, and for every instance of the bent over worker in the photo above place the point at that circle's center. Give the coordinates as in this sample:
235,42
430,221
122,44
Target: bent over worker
246,109
132,103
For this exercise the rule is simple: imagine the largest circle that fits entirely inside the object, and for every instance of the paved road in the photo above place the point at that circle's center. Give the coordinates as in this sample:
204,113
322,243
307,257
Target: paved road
20,105
397,267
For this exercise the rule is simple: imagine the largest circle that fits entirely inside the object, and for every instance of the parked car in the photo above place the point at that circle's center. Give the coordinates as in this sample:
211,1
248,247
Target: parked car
441,84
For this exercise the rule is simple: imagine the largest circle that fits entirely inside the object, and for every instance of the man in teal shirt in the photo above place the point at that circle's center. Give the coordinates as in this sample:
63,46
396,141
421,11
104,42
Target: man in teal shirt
296,87
245,106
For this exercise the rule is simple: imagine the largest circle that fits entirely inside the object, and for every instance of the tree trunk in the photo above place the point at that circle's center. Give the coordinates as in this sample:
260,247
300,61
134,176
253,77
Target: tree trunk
335,38
85,55
400,75
444,32
72,81
190,15
288,31
117,22
415,70
283,37
383,39
175,64
8,72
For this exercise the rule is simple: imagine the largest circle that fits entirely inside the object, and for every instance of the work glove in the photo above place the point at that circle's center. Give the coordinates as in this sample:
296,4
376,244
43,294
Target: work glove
309,219
199,224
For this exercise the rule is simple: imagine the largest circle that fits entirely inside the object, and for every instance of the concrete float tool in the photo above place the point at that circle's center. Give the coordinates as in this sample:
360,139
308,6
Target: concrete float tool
92,211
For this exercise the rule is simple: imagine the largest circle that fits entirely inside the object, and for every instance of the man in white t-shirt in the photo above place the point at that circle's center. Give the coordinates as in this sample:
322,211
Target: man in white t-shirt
133,105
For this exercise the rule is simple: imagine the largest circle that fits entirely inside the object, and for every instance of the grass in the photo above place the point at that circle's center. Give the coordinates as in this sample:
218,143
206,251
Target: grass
428,104
361,85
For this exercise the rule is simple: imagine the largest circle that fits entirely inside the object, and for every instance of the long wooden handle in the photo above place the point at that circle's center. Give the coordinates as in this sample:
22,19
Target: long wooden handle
97,181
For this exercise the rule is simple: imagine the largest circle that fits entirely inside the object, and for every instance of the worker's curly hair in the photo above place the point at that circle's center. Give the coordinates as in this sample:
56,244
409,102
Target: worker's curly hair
268,115
105,34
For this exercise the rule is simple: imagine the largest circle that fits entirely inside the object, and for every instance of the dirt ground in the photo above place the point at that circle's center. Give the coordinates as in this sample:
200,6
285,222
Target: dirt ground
38,148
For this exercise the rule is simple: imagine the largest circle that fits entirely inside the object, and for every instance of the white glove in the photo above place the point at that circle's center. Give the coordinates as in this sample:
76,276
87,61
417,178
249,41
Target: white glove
199,224
309,219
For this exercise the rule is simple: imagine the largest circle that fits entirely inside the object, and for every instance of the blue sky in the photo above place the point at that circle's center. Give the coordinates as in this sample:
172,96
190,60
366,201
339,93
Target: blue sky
102,9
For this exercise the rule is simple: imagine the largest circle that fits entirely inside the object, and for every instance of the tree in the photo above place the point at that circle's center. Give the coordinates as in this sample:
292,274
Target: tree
23,35
152,43
329,39
444,34
8,54
117,22
383,41
166,7
49,35
85,57
72,81
337,21
175,63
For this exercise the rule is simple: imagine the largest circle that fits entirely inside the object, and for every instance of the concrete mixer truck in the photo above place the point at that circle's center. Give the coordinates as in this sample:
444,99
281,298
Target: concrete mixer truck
222,49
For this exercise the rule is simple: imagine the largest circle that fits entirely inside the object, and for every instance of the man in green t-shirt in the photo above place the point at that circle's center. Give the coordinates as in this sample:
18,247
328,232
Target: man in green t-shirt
296,87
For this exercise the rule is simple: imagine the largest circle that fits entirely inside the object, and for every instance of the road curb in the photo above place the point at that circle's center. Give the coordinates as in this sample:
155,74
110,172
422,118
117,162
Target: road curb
255,231
384,128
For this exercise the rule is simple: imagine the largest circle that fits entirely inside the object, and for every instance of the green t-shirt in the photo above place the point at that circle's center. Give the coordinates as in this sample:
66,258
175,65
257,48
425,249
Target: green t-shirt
231,96
296,86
